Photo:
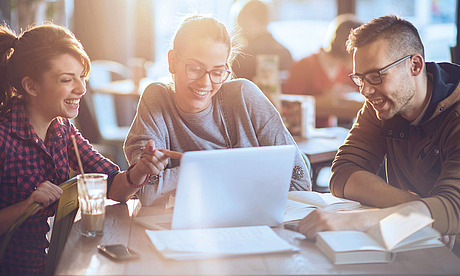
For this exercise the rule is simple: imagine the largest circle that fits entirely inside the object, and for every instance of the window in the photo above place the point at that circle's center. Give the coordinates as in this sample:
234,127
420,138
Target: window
301,25
435,20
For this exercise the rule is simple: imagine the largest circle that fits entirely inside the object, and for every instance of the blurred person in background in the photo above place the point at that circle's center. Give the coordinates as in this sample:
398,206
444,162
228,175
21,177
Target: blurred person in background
325,72
253,19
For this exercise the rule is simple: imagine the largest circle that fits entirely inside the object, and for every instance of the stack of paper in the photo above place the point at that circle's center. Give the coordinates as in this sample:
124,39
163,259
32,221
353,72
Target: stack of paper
189,244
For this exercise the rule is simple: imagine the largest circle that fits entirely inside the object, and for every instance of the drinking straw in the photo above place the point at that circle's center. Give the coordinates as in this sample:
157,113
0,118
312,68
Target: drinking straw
85,191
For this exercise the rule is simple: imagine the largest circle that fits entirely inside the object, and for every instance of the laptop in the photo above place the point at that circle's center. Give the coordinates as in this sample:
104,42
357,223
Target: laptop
233,187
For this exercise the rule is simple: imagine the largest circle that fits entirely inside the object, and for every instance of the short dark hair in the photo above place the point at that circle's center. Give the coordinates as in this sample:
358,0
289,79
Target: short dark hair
344,24
401,35
253,10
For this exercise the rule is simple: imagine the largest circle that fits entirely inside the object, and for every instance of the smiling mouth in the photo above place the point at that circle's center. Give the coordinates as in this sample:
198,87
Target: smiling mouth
377,102
72,102
200,92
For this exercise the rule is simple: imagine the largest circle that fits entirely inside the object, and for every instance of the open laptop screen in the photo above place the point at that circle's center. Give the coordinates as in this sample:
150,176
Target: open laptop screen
233,187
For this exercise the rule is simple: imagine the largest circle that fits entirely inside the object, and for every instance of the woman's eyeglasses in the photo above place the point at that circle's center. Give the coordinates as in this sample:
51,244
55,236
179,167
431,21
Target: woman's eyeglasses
196,72
375,77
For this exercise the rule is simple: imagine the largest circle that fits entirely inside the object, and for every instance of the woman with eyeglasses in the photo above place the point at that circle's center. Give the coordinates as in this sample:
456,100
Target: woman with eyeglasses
202,109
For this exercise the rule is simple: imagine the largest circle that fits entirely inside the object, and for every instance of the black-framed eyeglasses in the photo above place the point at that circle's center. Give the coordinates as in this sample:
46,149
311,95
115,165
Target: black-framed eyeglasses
374,77
196,72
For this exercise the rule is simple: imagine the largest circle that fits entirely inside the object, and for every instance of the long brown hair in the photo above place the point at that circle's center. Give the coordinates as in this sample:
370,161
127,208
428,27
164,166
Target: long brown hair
30,53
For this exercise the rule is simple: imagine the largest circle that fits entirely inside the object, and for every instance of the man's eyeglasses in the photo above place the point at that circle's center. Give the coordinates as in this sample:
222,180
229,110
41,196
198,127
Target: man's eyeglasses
196,72
374,77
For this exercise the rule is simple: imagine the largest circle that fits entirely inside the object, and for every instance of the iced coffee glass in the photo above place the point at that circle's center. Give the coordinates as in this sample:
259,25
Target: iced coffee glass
92,192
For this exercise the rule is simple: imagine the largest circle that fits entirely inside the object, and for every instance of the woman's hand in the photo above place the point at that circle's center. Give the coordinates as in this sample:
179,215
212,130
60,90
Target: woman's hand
152,160
45,194
125,184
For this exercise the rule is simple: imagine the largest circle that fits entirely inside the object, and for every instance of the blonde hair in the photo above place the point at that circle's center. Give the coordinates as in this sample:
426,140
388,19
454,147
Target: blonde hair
205,26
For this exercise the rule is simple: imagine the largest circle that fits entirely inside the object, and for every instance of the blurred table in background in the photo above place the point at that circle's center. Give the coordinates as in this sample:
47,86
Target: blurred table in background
321,148
344,107
125,96
125,87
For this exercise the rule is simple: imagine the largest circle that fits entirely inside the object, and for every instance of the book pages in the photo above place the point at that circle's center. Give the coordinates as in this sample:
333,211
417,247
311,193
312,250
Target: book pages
396,227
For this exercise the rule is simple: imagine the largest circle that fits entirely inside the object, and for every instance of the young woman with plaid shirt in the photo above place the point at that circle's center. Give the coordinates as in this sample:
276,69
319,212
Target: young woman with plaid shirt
43,74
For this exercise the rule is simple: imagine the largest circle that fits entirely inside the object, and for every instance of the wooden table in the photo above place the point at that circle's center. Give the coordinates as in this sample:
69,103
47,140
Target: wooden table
322,148
80,256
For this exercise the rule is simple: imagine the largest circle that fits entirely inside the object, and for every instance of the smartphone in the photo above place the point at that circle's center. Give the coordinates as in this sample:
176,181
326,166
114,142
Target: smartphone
118,252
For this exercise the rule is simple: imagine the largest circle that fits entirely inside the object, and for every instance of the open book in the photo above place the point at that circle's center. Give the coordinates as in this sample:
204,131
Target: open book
187,244
301,203
400,231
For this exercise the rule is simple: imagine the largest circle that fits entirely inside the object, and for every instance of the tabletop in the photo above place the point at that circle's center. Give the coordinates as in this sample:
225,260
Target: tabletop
323,145
81,257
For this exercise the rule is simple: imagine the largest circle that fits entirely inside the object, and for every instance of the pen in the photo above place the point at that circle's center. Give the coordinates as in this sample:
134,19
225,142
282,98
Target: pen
290,226
171,154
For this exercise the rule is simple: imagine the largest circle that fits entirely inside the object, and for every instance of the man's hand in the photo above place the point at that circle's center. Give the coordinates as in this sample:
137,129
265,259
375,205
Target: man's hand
320,220
359,220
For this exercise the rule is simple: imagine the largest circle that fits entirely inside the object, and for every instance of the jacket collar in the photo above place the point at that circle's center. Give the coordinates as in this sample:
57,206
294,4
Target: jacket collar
445,82
446,92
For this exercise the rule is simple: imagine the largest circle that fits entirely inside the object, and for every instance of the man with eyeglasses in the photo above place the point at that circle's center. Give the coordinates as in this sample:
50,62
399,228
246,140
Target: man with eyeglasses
410,123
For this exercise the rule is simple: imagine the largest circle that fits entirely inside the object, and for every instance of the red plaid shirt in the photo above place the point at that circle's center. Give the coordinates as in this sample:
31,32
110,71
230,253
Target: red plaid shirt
25,162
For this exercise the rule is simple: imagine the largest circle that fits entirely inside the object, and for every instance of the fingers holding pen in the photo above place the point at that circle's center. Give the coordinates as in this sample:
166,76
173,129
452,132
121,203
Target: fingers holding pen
154,159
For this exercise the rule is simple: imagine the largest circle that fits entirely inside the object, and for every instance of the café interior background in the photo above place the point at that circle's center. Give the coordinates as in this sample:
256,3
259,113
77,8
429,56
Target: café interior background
142,28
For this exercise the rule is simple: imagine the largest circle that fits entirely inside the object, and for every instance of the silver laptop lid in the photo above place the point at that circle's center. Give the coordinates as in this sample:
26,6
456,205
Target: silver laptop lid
233,187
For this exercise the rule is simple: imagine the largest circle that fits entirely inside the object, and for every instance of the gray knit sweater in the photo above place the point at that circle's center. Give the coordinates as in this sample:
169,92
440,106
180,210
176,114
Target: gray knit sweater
239,116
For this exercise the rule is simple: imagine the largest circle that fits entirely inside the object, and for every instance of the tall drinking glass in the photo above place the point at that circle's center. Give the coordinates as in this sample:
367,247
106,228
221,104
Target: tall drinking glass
92,192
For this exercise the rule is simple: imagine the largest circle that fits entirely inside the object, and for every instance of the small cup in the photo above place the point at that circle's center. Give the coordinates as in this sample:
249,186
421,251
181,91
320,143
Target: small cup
92,192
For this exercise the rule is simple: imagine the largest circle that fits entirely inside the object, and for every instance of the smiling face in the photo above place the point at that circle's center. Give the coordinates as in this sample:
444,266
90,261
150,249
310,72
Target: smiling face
396,94
193,96
59,90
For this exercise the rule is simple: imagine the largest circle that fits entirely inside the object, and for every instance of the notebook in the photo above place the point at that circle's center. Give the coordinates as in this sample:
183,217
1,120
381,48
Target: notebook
233,187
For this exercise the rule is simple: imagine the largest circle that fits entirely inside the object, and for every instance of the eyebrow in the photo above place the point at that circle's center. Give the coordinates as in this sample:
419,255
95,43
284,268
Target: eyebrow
202,64
65,73
70,74
371,71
